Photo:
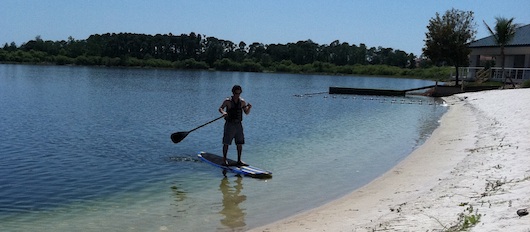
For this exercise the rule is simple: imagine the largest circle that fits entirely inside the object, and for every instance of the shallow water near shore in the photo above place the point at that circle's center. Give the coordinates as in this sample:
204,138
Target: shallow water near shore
87,148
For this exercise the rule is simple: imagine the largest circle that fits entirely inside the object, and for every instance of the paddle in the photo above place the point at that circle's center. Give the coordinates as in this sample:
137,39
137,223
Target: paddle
179,136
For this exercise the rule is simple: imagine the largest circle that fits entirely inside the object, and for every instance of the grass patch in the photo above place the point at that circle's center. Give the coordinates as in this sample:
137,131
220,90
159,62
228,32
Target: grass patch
467,219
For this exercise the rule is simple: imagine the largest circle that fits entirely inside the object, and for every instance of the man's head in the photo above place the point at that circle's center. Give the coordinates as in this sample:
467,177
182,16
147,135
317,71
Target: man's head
237,89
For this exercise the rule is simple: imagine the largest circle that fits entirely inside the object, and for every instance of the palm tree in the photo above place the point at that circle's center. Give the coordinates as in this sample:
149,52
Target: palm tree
503,34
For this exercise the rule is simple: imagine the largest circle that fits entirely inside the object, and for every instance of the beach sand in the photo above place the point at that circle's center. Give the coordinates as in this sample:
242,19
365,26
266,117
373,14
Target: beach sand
476,164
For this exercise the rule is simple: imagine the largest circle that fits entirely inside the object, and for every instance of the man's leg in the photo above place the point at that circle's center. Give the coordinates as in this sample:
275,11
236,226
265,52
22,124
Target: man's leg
240,140
239,151
225,152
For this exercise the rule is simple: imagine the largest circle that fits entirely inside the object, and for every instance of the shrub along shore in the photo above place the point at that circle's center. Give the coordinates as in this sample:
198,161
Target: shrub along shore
225,64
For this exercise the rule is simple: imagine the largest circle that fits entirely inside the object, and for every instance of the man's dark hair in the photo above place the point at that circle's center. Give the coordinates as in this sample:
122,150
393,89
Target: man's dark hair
235,88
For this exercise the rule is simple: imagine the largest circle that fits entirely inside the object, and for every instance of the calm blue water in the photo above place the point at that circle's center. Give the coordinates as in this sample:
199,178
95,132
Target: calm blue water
84,148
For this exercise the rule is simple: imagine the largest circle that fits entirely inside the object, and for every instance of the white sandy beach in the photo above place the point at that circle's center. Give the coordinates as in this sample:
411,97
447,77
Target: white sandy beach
476,164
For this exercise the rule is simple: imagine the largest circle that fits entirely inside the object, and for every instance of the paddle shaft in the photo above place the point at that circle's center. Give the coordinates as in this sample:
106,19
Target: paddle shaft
206,123
222,116
179,136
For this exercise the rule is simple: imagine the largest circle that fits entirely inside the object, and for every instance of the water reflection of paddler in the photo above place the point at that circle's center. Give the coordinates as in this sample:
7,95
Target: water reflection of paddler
234,216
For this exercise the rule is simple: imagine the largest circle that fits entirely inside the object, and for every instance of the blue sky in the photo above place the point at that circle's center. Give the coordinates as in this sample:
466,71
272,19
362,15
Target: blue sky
397,24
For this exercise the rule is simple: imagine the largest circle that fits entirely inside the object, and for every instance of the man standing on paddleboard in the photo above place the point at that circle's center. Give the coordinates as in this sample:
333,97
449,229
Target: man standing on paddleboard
232,110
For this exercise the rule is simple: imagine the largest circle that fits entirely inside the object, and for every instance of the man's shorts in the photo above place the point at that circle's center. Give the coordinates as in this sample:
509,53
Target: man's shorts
233,130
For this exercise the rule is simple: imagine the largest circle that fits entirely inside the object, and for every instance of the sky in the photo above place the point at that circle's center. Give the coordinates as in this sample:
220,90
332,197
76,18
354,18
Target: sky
397,24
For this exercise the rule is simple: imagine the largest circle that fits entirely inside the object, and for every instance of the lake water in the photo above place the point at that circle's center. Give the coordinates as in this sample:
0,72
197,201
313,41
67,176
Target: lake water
89,149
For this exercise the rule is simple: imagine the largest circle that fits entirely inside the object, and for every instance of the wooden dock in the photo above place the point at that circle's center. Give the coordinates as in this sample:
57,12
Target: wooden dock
377,92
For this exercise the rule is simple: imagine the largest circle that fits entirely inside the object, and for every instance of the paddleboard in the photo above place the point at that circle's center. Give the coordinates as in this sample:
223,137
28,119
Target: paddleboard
247,170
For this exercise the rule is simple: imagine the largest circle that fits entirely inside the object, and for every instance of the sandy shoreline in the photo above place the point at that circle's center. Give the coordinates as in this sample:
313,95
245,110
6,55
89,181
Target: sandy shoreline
475,165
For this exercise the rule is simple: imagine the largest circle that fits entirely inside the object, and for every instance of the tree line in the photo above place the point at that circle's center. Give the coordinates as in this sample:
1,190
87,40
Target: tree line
196,51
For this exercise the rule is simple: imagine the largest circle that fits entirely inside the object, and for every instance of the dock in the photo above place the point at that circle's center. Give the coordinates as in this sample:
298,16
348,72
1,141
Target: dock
377,92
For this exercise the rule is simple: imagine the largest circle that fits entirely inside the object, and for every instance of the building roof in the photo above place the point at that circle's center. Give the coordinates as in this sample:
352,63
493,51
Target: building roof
521,38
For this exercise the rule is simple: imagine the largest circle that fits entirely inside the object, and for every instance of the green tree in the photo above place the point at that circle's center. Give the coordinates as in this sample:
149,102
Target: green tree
239,53
256,50
193,45
214,50
11,47
359,54
278,52
303,52
340,53
448,36
503,33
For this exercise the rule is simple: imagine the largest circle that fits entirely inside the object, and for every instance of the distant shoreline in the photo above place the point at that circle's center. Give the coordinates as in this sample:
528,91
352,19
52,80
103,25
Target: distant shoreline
432,73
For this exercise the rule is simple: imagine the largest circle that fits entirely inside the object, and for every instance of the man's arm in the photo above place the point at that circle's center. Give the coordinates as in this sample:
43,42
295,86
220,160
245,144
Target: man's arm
223,107
246,107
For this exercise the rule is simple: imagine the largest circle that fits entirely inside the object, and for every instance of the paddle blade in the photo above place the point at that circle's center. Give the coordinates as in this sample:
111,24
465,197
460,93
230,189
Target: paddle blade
179,136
